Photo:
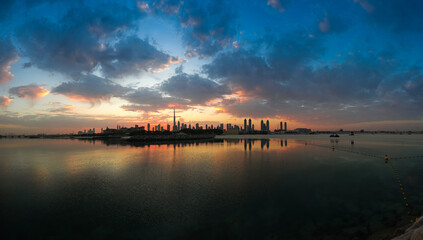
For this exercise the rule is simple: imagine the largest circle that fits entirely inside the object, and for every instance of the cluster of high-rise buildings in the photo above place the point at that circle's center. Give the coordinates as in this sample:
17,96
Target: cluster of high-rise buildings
247,128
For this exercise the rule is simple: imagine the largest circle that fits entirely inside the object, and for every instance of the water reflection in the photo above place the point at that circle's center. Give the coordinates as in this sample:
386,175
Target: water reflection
224,189
247,143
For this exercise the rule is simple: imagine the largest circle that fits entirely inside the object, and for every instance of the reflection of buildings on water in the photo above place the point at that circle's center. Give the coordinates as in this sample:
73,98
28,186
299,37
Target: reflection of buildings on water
248,143
263,143
120,142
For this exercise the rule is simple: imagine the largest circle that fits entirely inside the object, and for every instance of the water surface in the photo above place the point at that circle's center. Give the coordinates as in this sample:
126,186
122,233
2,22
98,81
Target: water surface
234,188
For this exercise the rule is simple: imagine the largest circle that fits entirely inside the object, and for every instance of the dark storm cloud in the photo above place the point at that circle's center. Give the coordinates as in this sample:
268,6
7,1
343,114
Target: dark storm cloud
8,55
75,44
399,16
90,88
151,100
196,89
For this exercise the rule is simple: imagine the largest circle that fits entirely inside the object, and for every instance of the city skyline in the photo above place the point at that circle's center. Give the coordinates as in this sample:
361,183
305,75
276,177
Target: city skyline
264,127
67,66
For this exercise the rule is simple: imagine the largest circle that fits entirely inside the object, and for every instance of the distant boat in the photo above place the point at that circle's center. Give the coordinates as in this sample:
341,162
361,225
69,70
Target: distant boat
334,135
351,133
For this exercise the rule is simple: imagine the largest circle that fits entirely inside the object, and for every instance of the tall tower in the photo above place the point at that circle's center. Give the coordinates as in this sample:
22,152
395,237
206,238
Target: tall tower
267,126
249,124
245,125
174,118
285,126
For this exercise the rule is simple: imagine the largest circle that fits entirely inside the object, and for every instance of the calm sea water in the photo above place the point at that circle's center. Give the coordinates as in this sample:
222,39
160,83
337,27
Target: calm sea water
242,189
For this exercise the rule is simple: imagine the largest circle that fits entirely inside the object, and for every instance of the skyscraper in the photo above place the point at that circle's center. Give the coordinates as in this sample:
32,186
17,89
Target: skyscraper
249,124
285,127
174,119
267,126
245,125
148,127
262,126
281,127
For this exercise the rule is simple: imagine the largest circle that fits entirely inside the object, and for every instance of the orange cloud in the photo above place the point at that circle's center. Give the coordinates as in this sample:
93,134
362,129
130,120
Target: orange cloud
4,101
29,91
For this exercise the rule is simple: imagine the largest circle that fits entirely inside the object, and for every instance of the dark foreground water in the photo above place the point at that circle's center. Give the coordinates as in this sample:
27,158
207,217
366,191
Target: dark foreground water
242,189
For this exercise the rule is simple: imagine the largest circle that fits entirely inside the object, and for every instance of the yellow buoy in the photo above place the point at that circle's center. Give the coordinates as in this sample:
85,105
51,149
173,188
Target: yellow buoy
386,157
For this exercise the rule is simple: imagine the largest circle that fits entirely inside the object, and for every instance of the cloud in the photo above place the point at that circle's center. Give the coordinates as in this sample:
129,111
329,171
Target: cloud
26,65
258,75
196,89
80,41
131,55
365,5
151,100
32,91
4,101
57,122
8,55
91,89
277,4
208,26
64,109
168,7
368,86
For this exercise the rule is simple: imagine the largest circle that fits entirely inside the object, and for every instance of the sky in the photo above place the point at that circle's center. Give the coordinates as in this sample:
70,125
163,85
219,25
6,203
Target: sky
325,65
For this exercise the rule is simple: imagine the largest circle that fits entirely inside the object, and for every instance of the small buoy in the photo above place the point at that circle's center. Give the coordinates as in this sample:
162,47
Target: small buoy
386,157
333,148
406,204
